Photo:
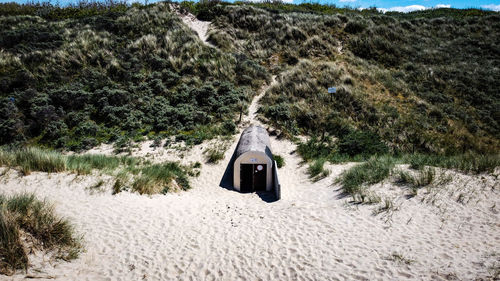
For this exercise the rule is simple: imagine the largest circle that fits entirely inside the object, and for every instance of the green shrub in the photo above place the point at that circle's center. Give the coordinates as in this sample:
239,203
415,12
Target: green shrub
280,161
144,70
126,86
314,149
361,143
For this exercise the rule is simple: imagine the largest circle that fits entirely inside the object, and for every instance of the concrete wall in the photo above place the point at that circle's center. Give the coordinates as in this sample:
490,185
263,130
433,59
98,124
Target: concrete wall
276,183
253,157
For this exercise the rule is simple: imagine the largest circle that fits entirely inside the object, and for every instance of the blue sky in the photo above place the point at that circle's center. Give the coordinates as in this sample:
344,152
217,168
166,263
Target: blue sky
409,5
386,5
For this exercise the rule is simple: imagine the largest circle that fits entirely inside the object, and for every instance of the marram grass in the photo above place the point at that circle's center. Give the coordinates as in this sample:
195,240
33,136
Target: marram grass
142,176
23,216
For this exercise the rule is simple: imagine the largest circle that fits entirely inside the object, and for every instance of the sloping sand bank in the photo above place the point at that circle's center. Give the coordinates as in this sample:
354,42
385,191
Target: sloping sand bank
211,233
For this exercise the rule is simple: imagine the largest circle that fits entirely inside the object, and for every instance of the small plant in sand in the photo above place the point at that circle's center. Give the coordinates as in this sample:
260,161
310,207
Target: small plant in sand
24,218
280,161
387,207
424,177
317,171
400,258
215,152
98,186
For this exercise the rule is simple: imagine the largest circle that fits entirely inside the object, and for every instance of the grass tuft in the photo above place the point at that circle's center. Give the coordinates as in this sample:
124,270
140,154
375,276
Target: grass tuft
317,171
24,215
161,178
215,152
423,178
214,155
280,161
33,159
468,163
375,170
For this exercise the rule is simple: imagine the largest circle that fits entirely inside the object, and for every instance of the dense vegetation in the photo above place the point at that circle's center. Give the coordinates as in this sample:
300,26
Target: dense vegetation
421,82
28,224
77,76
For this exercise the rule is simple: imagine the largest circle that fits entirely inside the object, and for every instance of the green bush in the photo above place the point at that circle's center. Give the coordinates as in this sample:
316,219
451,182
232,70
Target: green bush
361,143
280,161
127,83
314,149
123,70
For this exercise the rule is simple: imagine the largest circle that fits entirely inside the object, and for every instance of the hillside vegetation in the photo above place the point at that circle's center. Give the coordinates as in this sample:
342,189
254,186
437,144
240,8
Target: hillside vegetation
423,82
73,80
419,84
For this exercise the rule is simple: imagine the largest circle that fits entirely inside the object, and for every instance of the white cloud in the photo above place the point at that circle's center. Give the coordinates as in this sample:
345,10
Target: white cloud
405,9
347,1
412,8
492,7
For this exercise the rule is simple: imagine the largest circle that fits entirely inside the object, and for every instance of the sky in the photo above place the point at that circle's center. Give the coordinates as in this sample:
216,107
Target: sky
412,5
384,5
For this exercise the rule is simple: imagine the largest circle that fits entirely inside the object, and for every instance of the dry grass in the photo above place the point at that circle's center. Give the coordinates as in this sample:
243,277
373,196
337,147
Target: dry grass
24,216
130,173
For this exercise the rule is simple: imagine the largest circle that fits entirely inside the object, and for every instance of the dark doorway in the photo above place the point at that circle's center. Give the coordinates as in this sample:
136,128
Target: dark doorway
259,177
246,177
253,177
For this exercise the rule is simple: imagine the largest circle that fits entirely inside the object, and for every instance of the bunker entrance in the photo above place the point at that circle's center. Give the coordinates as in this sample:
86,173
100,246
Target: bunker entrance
253,177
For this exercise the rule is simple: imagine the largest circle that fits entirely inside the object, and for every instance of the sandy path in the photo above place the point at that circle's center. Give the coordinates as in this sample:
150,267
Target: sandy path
200,27
251,116
211,233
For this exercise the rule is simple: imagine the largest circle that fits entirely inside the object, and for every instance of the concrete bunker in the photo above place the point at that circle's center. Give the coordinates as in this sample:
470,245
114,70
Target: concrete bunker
253,168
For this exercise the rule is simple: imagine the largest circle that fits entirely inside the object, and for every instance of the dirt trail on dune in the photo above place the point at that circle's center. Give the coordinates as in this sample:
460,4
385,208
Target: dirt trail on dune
251,116
198,26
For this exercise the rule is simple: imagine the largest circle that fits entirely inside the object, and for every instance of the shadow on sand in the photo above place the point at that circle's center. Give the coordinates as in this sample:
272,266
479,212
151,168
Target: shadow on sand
227,181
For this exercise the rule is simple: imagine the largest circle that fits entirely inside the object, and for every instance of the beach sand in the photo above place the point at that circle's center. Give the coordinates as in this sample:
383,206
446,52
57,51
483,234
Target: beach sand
312,233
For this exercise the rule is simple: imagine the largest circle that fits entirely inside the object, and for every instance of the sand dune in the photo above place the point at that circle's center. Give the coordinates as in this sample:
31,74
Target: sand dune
211,233
312,233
